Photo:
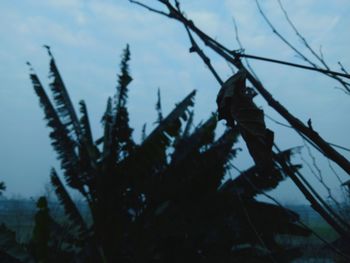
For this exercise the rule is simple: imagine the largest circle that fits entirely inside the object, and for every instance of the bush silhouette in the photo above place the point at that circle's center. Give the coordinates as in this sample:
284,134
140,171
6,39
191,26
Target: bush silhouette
160,200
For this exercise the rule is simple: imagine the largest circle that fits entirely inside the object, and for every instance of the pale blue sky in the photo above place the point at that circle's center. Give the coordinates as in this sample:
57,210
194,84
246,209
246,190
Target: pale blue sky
87,37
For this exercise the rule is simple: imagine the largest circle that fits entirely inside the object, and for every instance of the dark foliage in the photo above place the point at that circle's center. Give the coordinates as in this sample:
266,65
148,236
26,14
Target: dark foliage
235,104
2,187
161,200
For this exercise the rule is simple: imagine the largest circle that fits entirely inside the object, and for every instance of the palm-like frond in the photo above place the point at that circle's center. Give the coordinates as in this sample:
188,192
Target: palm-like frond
164,193
124,79
61,141
250,182
181,173
85,123
88,152
188,126
186,131
159,139
215,159
283,221
107,123
159,107
69,206
66,112
62,100
203,135
120,141
143,132
170,126
201,171
151,155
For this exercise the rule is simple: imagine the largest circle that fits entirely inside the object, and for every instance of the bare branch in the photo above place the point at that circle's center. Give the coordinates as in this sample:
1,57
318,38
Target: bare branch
300,36
278,122
276,32
334,172
342,68
233,58
195,48
287,211
330,73
326,71
316,201
241,46
316,171
343,90
178,15
306,44
344,192
149,8
288,126
339,146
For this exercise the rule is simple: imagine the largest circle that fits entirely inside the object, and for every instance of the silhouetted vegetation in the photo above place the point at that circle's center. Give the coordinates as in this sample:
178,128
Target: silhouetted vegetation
2,187
236,106
168,198
161,200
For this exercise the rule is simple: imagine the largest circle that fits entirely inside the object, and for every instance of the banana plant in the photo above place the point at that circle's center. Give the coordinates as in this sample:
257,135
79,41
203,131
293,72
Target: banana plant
165,198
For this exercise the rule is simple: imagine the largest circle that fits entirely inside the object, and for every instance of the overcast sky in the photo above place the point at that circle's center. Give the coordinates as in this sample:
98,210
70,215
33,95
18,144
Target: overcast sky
87,38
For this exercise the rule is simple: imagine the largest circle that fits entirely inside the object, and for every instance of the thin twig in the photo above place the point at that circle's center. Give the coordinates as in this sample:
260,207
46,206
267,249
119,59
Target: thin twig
250,222
334,172
314,163
241,47
342,68
314,198
206,60
340,147
324,147
319,176
300,36
274,30
305,138
306,44
230,56
149,8
278,122
298,52
288,212
342,189
328,72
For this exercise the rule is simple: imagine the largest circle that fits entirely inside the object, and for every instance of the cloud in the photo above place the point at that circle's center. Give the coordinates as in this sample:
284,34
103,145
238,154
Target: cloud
63,4
41,27
88,35
206,19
